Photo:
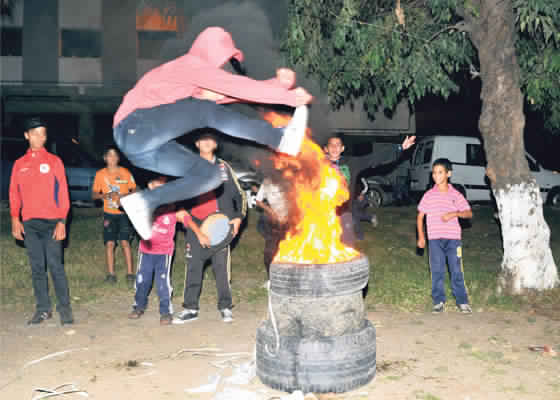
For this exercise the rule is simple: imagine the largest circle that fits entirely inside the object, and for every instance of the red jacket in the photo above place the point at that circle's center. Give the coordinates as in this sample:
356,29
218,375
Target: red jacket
38,187
199,69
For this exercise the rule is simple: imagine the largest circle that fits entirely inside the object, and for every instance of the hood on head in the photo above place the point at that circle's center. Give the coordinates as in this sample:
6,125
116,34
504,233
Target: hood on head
215,46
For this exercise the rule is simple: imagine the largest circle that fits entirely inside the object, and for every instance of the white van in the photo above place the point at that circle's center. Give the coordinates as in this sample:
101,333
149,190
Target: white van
469,164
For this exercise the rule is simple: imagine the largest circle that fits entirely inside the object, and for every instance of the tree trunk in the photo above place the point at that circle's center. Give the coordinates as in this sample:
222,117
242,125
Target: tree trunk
527,261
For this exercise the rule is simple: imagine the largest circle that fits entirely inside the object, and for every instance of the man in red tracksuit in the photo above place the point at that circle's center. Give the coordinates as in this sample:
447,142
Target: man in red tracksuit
187,94
39,193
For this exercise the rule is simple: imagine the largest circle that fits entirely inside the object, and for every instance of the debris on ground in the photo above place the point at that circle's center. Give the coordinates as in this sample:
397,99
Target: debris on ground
546,350
61,390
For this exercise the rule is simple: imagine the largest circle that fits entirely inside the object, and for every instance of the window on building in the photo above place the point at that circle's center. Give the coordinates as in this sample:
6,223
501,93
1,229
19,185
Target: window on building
80,43
11,40
150,43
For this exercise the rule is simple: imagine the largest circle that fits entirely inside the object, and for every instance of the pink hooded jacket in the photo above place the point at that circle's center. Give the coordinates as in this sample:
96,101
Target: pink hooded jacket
199,69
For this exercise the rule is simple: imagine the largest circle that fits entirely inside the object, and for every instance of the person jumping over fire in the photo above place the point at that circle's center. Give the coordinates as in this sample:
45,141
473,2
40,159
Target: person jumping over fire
187,94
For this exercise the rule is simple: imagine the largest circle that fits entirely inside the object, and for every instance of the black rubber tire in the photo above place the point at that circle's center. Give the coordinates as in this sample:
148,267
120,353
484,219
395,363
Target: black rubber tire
553,198
309,317
320,365
319,280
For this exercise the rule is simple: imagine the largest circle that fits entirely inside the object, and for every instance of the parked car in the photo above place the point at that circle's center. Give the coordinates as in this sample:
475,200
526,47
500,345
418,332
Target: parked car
469,165
80,168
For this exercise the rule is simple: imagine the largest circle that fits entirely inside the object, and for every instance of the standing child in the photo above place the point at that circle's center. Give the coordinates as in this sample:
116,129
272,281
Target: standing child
443,205
39,204
154,260
228,199
110,184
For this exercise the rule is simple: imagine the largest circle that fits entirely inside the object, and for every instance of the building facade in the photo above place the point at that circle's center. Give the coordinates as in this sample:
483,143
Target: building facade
71,61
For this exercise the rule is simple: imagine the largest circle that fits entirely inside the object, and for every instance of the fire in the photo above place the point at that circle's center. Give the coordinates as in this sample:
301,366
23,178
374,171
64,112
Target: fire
318,189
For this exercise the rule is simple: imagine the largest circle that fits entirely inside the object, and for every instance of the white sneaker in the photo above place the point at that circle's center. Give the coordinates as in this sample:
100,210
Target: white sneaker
227,315
139,213
374,221
187,315
294,132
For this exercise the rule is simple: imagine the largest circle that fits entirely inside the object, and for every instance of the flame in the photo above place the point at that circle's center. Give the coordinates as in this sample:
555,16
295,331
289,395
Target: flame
317,190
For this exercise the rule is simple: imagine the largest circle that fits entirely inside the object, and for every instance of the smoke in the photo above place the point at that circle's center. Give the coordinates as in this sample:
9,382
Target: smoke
249,22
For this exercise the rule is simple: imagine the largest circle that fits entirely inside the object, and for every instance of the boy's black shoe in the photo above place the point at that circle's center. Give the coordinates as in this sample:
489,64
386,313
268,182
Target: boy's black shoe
165,319
39,317
135,314
130,278
66,316
111,278
438,308
187,315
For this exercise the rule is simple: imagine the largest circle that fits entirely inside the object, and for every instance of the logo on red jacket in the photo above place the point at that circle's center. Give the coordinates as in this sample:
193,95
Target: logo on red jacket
44,168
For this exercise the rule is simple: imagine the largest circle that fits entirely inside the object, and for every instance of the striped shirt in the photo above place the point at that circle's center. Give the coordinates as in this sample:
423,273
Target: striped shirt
435,204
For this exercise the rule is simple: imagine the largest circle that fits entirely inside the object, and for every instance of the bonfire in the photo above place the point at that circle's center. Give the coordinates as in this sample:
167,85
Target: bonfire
318,189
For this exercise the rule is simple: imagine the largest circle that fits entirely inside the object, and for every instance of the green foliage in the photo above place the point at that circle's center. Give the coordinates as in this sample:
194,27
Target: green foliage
538,51
358,48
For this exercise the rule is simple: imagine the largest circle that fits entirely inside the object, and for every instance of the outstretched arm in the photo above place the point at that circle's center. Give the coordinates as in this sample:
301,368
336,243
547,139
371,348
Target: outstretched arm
241,88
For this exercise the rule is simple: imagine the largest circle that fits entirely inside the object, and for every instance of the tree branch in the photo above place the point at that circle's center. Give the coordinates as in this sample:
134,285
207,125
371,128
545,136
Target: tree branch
460,26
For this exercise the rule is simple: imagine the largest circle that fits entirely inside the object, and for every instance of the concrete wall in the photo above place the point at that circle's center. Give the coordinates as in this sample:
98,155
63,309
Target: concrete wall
80,14
119,42
40,41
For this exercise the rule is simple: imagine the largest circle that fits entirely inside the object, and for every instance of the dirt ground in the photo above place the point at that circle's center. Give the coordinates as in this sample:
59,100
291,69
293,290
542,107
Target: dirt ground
419,356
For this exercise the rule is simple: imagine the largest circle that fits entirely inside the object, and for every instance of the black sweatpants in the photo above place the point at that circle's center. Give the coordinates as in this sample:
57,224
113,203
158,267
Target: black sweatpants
45,252
196,256
146,137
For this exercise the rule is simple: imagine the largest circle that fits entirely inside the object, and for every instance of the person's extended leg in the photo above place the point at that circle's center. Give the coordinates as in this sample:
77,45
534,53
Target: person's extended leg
147,129
194,269
163,285
144,279
438,270
455,260
53,253
36,252
110,259
220,262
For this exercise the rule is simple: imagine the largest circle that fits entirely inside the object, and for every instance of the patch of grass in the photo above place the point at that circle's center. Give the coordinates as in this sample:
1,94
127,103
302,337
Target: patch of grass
465,346
421,395
398,277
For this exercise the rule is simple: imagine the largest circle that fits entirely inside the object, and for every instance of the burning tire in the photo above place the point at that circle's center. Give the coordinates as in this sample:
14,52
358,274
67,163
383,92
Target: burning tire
309,317
319,280
321,364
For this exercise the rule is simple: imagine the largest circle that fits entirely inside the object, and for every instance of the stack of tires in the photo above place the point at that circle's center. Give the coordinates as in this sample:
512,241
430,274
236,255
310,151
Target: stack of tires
317,338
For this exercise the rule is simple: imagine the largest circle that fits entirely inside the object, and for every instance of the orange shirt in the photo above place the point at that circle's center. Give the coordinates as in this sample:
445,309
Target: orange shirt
120,181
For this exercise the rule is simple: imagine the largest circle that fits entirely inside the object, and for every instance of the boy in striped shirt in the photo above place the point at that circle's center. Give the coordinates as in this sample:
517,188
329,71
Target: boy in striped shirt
443,205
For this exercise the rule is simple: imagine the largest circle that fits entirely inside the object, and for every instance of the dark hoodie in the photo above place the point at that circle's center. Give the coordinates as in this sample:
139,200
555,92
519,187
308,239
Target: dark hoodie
199,69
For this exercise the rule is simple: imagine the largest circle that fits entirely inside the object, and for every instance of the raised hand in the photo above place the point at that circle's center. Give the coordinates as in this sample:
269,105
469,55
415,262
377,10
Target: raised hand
303,97
287,77
408,142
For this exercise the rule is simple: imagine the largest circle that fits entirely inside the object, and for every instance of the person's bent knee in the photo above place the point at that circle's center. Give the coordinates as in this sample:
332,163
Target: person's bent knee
125,244
110,244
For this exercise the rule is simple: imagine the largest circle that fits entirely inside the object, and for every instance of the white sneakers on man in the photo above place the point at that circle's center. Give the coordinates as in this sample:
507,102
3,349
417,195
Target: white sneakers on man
140,215
294,132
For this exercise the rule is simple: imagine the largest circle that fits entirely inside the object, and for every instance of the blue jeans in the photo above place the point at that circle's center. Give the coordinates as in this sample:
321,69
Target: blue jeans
147,138
450,250
148,266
